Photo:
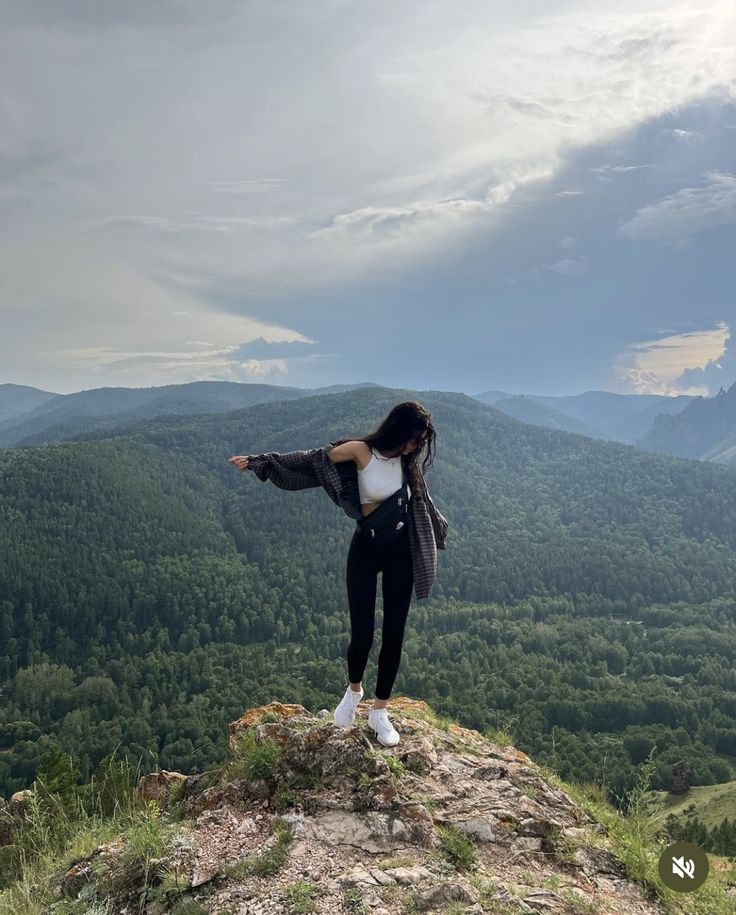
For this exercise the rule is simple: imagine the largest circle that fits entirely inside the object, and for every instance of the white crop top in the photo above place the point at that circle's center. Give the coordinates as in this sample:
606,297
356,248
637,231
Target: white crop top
380,478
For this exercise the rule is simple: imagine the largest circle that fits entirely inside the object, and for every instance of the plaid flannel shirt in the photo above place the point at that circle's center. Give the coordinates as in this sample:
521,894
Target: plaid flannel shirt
295,470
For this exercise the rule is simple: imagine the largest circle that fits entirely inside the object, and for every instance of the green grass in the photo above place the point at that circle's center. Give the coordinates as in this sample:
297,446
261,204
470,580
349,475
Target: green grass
51,840
500,736
171,885
563,846
267,862
308,778
456,848
353,899
709,803
189,907
147,841
396,765
299,897
578,904
251,759
634,840
441,722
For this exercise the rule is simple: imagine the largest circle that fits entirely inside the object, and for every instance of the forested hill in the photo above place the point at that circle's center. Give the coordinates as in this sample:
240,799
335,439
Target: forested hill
32,417
149,591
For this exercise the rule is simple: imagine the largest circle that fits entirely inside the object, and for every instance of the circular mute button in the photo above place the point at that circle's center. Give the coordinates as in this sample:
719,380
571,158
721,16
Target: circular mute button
683,866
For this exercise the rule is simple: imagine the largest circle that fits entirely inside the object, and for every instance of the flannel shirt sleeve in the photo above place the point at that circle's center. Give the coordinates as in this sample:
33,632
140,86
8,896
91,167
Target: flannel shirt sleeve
292,470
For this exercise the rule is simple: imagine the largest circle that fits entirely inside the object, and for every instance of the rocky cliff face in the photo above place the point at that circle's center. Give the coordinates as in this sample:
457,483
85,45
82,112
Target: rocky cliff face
310,817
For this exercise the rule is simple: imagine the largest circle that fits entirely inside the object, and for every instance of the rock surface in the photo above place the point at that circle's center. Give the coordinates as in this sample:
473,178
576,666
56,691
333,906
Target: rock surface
444,821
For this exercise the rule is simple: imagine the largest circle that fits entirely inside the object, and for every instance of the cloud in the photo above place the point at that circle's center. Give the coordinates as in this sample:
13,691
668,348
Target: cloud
685,137
686,212
619,169
292,162
257,359
719,369
680,363
393,220
249,185
269,349
569,266
193,224
455,107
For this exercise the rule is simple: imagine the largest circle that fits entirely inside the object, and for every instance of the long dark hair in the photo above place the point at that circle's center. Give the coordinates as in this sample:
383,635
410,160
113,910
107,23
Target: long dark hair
406,421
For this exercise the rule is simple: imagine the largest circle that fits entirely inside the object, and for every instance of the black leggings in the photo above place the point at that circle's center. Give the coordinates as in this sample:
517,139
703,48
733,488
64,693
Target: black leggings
365,561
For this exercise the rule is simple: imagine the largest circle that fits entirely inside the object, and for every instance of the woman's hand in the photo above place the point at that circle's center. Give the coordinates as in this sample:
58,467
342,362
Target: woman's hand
239,461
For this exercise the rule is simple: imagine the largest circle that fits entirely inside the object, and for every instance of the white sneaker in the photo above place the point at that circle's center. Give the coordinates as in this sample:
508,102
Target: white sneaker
378,721
345,712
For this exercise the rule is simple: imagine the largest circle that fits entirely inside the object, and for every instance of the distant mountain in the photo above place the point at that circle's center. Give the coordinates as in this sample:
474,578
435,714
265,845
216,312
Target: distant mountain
64,416
603,414
492,397
621,417
339,388
18,398
705,429
529,410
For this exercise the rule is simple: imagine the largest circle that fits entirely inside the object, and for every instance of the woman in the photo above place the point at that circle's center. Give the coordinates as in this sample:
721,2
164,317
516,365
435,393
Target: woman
361,475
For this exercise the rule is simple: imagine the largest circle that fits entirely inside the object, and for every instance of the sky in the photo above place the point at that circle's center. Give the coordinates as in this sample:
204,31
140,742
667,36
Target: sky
530,196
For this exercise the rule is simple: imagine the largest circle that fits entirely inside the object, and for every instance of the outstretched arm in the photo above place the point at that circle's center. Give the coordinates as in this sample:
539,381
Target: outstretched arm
289,470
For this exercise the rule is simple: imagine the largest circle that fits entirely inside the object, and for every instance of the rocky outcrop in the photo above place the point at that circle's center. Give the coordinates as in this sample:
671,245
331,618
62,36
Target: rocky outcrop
160,786
444,821
12,815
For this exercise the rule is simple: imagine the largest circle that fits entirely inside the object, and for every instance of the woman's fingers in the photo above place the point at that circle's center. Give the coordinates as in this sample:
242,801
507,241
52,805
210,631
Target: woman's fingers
239,461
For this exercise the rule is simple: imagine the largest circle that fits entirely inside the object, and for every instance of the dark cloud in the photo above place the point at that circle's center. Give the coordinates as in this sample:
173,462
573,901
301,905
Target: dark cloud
462,319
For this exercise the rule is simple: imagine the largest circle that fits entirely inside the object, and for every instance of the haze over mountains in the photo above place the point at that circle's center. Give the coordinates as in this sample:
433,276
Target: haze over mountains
682,426
599,414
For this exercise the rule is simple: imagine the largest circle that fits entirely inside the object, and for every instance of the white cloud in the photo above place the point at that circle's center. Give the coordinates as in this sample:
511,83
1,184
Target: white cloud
685,137
183,365
87,319
665,365
568,266
620,169
394,220
686,212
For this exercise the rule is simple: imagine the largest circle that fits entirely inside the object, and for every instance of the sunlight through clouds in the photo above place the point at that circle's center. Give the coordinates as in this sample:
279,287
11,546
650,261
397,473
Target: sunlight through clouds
654,366
174,172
